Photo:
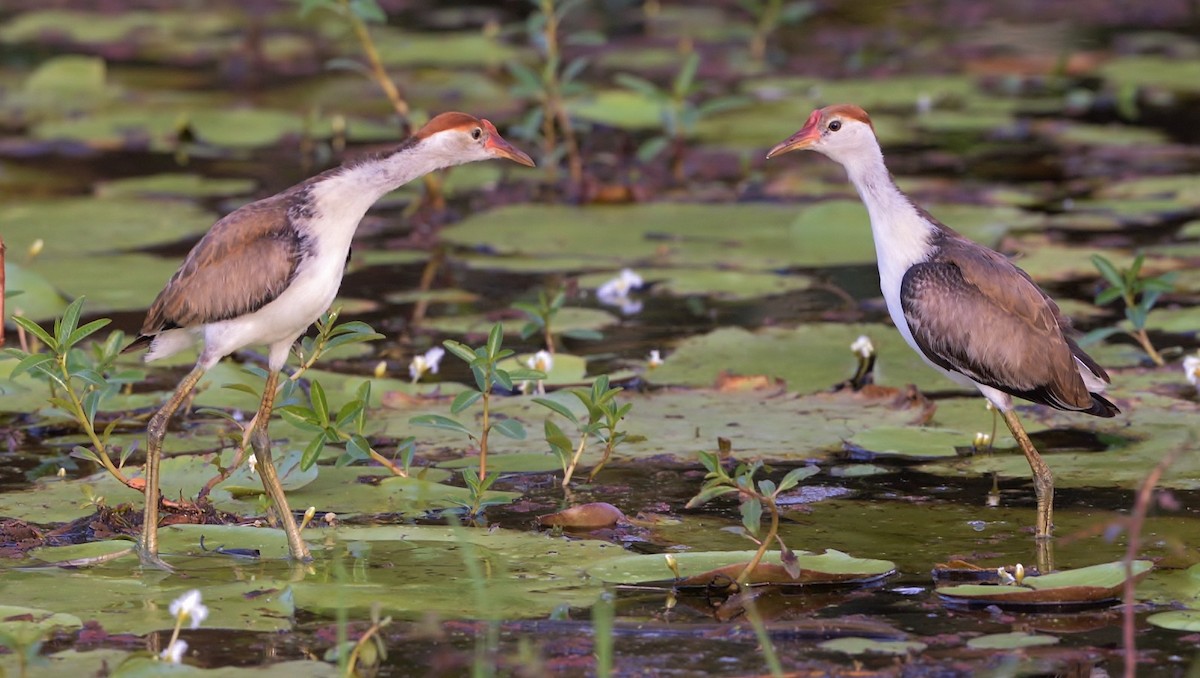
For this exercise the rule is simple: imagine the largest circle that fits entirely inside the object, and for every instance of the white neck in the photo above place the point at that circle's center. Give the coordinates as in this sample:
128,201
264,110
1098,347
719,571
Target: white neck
902,234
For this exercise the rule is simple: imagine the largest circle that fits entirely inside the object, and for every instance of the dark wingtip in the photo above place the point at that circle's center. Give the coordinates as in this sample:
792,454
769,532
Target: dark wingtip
1102,407
138,344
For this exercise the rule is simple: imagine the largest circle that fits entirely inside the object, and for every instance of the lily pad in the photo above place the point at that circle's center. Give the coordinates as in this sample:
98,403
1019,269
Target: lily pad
69,226
697,569
743,236
428,569
856,646
810,358
1156,72
722,284
173,186
1010,641
908,442
1176,620
568,318
447,48
1094,585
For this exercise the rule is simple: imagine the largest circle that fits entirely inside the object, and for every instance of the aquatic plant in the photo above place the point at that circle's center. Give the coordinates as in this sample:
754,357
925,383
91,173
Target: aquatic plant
484,363
604,414
1139,295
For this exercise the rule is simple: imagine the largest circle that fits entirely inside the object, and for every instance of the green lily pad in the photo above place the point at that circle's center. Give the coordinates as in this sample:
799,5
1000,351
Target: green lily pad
1085,586
742,237
568,318
1010,641
445,48
527,574
721,284
31,624
38,300
1156,72
173,186
142,277
63,85
1176,620
568,369
98,29
69,226
144,665
856,646
830,567
810,358
528,462
909,442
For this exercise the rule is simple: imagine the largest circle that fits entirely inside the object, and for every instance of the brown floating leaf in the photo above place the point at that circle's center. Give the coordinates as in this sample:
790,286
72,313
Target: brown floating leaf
591,516
1095,585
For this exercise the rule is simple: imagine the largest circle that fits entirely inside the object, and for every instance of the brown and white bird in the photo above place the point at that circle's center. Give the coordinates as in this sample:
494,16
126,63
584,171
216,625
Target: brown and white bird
265,272
968,311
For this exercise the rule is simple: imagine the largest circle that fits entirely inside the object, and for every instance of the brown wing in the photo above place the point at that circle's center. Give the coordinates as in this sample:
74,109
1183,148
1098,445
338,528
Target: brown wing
245,261
970,310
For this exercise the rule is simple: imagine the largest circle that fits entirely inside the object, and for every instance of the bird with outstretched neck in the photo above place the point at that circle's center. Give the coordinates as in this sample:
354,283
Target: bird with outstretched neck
268,270
968,311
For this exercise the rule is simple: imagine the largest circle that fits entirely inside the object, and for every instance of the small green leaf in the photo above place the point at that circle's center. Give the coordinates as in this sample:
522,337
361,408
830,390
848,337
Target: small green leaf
495,340
794,477
312,453
464,400
558,440
65,326
31,362
319,403
708,494
1109,271
510,428
558,408
463,351
752,515
37,331
358,447
1108,295
440,422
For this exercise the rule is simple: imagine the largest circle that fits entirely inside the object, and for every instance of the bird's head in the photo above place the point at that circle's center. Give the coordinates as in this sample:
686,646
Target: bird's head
464,138
842,132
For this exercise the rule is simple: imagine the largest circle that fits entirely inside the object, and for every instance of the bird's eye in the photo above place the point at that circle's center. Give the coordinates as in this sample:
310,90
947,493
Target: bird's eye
835,125
476,133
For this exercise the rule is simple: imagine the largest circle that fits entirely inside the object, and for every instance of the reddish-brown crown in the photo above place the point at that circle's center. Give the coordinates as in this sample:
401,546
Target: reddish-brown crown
445,121
846,111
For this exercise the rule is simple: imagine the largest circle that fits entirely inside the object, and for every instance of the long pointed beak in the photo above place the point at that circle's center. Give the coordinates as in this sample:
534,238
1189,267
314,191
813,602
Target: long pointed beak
805,138
502,149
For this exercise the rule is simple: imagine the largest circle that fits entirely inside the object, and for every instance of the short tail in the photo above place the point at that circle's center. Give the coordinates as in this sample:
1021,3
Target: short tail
143,341
1102,407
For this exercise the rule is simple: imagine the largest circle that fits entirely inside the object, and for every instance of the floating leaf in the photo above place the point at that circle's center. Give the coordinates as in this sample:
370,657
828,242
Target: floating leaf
699,569
1094,585
1010,641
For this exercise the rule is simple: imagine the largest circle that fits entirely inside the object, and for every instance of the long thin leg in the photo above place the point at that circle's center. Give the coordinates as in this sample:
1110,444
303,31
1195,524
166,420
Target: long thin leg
1043,479
260,440
156,430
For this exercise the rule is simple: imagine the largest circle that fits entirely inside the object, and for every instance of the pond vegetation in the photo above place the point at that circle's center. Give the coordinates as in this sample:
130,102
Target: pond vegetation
640,410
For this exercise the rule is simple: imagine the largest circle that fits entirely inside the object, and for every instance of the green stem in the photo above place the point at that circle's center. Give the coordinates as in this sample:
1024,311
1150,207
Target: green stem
88,426
766,542
1144,340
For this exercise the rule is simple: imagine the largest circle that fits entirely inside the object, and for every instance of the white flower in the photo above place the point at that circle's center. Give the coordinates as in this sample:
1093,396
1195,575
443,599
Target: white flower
428,362
862,347
924,104
189,605
655,359
542,361
1191,370
1005,577
615,292
982,440
175,651
253,461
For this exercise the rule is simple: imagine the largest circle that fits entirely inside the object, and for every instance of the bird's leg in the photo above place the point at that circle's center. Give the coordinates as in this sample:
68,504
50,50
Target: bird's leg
156,430
1043,479
260,441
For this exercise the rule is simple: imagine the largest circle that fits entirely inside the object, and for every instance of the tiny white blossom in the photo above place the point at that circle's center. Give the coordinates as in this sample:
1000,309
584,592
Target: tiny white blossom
1191,370
189,605
1020,574
1005,577
615,292
655,359
175,651
924,104
982,440
253,463
862,347
427,362
542,361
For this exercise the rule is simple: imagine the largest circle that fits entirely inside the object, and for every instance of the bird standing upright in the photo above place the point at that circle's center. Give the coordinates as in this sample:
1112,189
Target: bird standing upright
265,272
968,311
